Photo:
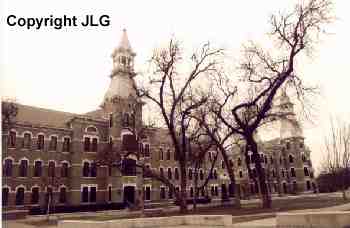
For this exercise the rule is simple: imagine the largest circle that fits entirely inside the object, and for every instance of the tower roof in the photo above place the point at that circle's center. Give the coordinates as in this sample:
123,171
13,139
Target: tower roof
124,43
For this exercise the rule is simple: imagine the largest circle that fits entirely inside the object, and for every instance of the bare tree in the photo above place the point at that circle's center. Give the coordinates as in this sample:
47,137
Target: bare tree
264,72
337,154
9,111
170,90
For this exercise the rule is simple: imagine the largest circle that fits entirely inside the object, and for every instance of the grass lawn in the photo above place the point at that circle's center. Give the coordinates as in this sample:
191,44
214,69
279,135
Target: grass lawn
246,213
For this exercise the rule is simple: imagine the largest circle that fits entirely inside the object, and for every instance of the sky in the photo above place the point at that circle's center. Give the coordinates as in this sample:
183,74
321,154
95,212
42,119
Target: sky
69,69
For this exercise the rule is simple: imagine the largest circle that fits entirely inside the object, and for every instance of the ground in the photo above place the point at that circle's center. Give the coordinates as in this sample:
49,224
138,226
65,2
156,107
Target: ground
250,214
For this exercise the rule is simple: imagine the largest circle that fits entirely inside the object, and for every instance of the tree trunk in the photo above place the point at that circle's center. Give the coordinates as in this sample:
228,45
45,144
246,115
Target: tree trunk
232,177
196,190
48,207
266,199
183,193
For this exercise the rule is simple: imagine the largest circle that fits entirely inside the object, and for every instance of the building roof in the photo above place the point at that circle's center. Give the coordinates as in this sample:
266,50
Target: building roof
41,116
124,43
48,117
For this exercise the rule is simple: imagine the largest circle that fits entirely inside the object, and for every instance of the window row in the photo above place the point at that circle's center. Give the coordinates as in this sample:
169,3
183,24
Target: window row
167,155
191,174
40,142
37,169
34,195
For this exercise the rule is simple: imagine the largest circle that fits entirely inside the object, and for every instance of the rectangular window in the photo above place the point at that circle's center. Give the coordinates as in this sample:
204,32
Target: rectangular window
66,145
53,143
85,195
93,194
40,142
86,144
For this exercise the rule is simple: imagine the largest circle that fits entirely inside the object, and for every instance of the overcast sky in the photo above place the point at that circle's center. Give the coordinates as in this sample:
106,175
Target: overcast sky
69,69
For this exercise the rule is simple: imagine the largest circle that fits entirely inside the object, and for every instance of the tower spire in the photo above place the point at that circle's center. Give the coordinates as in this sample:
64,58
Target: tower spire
124,43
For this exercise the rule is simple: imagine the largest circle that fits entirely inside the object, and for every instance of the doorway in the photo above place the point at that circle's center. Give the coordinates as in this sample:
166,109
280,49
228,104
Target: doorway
129,194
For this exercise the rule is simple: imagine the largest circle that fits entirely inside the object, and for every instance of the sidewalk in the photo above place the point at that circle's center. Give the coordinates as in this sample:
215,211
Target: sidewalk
271,222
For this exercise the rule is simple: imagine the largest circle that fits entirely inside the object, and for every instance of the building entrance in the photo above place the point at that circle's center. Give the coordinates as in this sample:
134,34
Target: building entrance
129,194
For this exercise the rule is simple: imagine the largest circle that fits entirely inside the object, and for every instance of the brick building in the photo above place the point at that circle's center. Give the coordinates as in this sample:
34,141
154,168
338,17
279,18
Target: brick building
284,156
48,151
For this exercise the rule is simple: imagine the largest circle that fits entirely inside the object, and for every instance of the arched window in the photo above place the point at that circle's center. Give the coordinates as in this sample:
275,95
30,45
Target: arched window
7,168
27,140
40,142
240,174
111,120
190,174
64,169
161,172
303,158
5,196
51,170
12,139
126,122
306,172
215,174
93,170
292,172
23,168
201,174
63,195
38,168
132,120
20,196
147,151
168,154
86,169
176,173
254,173
53,143
91,129
282,172
94,145
291,159
169,174
308,185
239,162
35,195
288,145
191,192
66,144
161,154
86,144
